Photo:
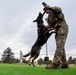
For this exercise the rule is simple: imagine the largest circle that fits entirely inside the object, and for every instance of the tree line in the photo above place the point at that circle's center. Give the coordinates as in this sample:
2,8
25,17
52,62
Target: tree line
8,57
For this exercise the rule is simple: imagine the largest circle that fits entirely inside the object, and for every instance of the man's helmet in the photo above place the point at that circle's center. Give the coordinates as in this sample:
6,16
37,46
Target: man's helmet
57,9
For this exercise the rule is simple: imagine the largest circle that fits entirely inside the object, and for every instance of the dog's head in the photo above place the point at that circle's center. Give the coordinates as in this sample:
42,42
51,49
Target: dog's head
39,19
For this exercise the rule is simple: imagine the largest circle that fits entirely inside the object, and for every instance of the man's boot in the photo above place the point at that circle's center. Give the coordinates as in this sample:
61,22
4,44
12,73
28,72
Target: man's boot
52,66
64,65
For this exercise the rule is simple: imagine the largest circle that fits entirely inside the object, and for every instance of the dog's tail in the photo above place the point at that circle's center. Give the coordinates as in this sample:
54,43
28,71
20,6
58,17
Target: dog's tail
26,54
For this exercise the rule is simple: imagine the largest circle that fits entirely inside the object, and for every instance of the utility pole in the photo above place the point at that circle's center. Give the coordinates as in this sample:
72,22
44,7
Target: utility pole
46,50
46,58
21,55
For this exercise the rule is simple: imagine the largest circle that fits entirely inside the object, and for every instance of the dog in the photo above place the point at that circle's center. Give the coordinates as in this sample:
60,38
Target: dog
41,40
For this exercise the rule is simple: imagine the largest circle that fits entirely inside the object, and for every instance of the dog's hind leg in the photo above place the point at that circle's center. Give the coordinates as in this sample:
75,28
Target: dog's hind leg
29,62
37,54
33,61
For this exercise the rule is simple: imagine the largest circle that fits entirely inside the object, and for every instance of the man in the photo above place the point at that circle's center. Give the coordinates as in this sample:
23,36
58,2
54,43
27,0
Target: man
57,21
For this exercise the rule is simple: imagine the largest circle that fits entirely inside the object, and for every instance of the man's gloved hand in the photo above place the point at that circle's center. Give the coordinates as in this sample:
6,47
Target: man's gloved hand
52,31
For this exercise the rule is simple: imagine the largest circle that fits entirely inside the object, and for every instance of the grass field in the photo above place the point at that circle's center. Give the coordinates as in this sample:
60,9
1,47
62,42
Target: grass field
14,69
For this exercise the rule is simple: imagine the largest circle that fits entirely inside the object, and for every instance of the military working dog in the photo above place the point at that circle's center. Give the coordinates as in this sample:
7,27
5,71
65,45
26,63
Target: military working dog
43,35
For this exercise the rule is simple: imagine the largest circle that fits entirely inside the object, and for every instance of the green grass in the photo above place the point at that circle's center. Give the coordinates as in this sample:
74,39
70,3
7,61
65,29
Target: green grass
14,69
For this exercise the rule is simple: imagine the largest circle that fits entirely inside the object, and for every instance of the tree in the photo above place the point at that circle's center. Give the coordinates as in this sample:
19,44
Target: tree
8,56
71,60
17,61
74,61
24,61
40,61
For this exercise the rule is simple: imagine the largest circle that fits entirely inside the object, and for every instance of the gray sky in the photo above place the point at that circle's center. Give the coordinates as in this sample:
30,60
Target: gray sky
18,31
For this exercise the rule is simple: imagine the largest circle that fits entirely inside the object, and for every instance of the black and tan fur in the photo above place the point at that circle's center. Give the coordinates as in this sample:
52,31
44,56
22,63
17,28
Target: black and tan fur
41,39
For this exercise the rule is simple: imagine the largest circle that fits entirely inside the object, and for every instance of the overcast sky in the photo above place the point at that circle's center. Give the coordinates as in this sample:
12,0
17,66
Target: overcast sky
18,31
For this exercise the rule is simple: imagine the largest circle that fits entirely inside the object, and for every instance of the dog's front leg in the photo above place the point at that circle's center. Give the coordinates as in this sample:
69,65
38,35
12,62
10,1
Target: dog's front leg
33,62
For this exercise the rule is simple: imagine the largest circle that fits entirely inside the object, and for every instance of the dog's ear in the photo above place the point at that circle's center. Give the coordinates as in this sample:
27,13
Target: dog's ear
40,15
